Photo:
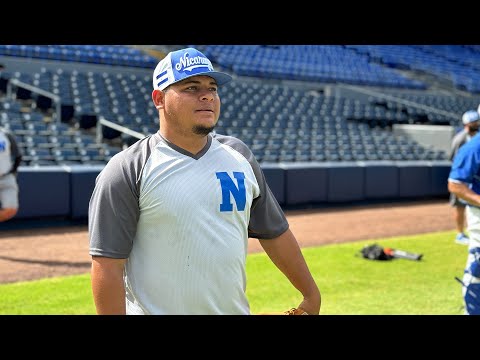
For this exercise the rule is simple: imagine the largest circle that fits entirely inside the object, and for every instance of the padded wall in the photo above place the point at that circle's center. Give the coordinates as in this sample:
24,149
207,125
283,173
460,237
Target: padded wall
346,182
82,182
440,171
414,179
305,183
43,192
381,180
56,191
275,177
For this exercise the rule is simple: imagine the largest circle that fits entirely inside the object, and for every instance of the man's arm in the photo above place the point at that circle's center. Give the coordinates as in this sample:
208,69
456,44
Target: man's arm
285,253
107,285
462,191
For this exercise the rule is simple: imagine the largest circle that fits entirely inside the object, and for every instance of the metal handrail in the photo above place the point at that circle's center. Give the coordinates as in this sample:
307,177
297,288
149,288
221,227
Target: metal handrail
55,98
403,101
102,121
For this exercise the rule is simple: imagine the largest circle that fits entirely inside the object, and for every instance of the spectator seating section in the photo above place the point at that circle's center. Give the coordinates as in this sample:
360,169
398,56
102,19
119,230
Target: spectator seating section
282,123
316,148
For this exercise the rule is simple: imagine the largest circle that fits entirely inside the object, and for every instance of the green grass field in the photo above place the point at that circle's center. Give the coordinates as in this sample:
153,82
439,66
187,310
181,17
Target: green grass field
350,284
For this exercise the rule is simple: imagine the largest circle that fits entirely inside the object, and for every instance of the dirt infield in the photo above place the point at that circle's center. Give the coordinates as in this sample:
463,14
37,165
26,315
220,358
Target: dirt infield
30,254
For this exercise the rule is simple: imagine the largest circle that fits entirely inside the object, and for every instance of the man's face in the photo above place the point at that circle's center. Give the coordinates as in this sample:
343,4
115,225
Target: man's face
193,105
473,127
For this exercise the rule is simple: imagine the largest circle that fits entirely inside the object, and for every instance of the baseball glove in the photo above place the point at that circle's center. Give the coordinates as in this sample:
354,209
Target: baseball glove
295,311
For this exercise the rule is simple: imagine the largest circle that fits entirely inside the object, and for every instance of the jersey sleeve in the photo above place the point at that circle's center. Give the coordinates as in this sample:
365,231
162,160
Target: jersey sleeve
466,163
15,152
114,207
267,219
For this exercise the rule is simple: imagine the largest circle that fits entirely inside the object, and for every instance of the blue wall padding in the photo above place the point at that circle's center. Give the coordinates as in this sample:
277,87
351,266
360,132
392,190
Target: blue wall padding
381,181
305,184
276,181
346,182
65,191
414,180
43,192
82,185
440,172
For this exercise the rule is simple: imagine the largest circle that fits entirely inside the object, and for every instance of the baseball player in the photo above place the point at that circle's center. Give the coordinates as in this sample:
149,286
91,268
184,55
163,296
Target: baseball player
471,123
10,158
464,182
170,216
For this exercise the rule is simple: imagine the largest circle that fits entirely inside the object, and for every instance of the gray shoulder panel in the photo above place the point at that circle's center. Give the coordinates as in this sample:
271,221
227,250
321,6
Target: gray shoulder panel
114,210
14,149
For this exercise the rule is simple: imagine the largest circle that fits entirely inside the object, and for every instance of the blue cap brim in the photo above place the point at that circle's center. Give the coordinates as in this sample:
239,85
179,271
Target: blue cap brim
220,77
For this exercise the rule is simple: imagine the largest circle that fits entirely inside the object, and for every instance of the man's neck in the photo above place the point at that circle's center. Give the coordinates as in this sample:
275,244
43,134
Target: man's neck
192,143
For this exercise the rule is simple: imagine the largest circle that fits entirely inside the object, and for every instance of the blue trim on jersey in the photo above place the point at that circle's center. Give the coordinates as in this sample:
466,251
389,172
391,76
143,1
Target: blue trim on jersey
466,164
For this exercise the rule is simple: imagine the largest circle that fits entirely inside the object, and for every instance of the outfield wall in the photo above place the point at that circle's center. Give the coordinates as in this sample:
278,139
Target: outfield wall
64,191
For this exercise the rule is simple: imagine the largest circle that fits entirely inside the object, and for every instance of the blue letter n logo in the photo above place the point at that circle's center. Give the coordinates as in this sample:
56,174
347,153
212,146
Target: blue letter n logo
228,187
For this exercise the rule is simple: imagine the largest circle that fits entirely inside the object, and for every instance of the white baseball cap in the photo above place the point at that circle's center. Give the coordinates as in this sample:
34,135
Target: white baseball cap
470,116
182,64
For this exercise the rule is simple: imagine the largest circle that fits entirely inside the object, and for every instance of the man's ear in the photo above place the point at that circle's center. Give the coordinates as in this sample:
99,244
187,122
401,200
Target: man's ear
158,97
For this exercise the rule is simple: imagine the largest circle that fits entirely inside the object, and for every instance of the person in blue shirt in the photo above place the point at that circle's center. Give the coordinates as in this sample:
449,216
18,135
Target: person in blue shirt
471,123
464,182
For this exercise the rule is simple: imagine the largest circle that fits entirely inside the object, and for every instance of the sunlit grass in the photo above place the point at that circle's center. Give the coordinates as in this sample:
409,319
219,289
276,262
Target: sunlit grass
349,283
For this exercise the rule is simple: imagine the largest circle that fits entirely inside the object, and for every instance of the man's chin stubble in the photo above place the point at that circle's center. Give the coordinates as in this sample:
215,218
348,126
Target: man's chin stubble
202,130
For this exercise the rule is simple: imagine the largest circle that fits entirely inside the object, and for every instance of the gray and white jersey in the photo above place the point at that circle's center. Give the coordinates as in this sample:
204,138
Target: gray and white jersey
183,221
6,161
458,140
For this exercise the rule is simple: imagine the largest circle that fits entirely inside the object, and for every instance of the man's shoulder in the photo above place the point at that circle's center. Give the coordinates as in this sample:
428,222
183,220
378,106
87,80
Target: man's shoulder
460,135
138,151
470,147
228,139
234,143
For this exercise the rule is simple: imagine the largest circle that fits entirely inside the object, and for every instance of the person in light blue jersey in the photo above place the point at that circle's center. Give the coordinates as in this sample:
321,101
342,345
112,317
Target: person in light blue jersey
170,217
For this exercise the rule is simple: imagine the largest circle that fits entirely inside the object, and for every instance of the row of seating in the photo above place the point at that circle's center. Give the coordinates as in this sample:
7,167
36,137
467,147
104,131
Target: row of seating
253,110
120,96
45,143
457,63
119,55
366,65
270,126
315,63
67,155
